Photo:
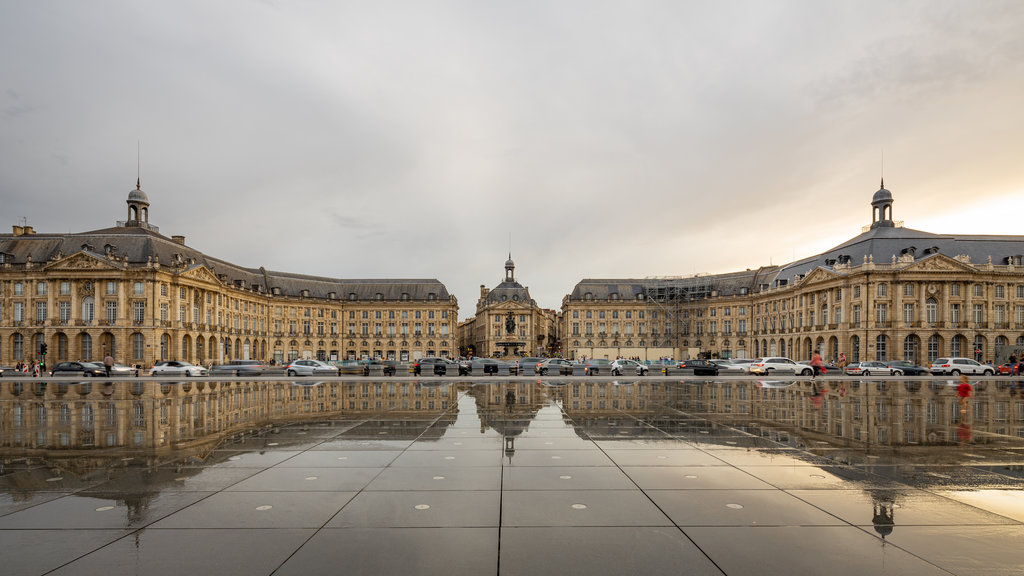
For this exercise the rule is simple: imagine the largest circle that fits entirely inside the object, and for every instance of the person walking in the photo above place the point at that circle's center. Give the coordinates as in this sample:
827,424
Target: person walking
108,363
816,365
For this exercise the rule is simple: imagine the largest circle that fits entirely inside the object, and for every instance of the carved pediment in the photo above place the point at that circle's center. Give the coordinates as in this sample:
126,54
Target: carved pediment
82,261
818,275
201,273
939,263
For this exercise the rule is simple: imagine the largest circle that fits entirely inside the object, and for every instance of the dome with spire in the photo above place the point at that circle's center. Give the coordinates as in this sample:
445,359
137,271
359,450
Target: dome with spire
138,195
883,196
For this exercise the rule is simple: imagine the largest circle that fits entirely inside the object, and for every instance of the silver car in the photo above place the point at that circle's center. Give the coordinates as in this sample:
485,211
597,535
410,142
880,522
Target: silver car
310,368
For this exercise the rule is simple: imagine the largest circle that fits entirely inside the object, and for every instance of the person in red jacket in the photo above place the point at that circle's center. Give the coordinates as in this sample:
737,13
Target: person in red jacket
963,392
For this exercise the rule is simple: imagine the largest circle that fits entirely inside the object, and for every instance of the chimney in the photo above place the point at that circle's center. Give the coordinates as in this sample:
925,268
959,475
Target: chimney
178,239
29,230
18,230
483,291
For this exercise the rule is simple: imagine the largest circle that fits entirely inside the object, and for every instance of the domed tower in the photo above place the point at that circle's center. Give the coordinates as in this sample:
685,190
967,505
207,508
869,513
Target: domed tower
881,208
138,207
510,267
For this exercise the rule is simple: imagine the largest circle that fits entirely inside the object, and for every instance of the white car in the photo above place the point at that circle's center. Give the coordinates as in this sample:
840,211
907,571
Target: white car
957,366
622,365
310,367
177,368
777,364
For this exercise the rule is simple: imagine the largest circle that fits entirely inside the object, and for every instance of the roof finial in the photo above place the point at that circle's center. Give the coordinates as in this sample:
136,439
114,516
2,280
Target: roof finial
882,169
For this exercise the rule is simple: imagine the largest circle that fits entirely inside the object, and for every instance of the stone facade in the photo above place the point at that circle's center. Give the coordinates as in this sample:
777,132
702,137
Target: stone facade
135,294
889,293
508,322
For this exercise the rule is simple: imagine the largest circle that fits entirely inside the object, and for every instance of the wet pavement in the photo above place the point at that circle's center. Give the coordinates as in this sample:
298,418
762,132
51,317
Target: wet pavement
586,476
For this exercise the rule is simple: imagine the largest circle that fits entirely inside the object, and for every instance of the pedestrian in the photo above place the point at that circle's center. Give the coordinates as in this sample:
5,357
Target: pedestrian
816,364
963,392
842,360
108,363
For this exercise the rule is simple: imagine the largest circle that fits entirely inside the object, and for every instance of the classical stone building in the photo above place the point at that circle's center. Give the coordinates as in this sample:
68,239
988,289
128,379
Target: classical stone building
508,322
889,293
140,296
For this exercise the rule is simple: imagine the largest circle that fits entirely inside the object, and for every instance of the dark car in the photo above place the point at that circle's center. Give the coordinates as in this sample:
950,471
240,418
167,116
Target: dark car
698,367
597,366
240,368
435,365
560,365
906,368
527,365
83,368
489,366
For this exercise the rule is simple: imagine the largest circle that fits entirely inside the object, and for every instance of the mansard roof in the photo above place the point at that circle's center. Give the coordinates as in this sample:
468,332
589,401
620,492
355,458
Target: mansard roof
138,247
881,244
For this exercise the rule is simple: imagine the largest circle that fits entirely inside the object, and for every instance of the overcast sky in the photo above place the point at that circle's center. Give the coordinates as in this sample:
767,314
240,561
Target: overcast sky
381,139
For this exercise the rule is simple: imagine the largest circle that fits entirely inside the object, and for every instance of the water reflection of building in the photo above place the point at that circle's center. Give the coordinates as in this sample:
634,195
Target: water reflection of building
36,415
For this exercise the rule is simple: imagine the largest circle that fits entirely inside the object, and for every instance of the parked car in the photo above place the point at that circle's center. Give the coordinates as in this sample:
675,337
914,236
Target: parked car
869,367
597,366
907,368
728,367
240,368
698,367
309,367
350,367
84,368
177,368
956,366
560,365
777,364
623,366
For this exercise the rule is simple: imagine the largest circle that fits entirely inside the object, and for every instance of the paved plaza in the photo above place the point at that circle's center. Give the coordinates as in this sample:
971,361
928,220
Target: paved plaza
515,477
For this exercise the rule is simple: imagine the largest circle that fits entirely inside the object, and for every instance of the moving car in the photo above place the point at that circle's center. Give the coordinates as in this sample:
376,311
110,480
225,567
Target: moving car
122,370
623,366
84,368
955,366
177,368
776,364
488,366
743,363
907,368
527,365
560,365
309,367
240,368
728,367
435,365
698,367
597,366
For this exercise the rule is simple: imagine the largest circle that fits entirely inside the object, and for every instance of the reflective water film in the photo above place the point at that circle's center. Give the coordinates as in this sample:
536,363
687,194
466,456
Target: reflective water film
647,475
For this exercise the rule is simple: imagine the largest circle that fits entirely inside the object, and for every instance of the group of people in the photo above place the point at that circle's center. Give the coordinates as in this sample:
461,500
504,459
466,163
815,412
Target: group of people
35,368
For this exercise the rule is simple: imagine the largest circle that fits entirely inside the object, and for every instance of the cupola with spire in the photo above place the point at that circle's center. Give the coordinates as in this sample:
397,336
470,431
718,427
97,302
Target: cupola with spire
881,208
138,207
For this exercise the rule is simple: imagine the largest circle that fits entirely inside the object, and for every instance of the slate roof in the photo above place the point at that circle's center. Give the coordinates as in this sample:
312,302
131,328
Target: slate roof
134,247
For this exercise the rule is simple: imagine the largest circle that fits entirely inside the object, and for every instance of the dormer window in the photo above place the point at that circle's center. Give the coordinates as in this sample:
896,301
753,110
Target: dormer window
431,296
378,296
352,297
613,296
405,296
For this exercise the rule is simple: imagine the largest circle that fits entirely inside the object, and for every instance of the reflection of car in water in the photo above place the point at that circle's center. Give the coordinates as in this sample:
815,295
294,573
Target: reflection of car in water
309,367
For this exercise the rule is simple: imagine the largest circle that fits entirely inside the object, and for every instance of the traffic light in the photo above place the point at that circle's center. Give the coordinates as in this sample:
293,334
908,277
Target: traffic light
42,349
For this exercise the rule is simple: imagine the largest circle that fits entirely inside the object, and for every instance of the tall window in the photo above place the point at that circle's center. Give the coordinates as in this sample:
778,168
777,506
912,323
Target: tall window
64,310
933,348
880,348
956,346
881,313
883,290
18,350
855,349
908,313
19,312
954,313
979,313
138,313
111,312
86,346
41,288
138,346
931,310
88,309
908,289
140,288
40,312
954,290
111,288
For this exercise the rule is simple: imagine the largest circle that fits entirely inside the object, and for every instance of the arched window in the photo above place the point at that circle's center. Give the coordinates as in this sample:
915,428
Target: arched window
979,348
62,347
957,345
931,310
88,309
165,345
18,347
855,349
